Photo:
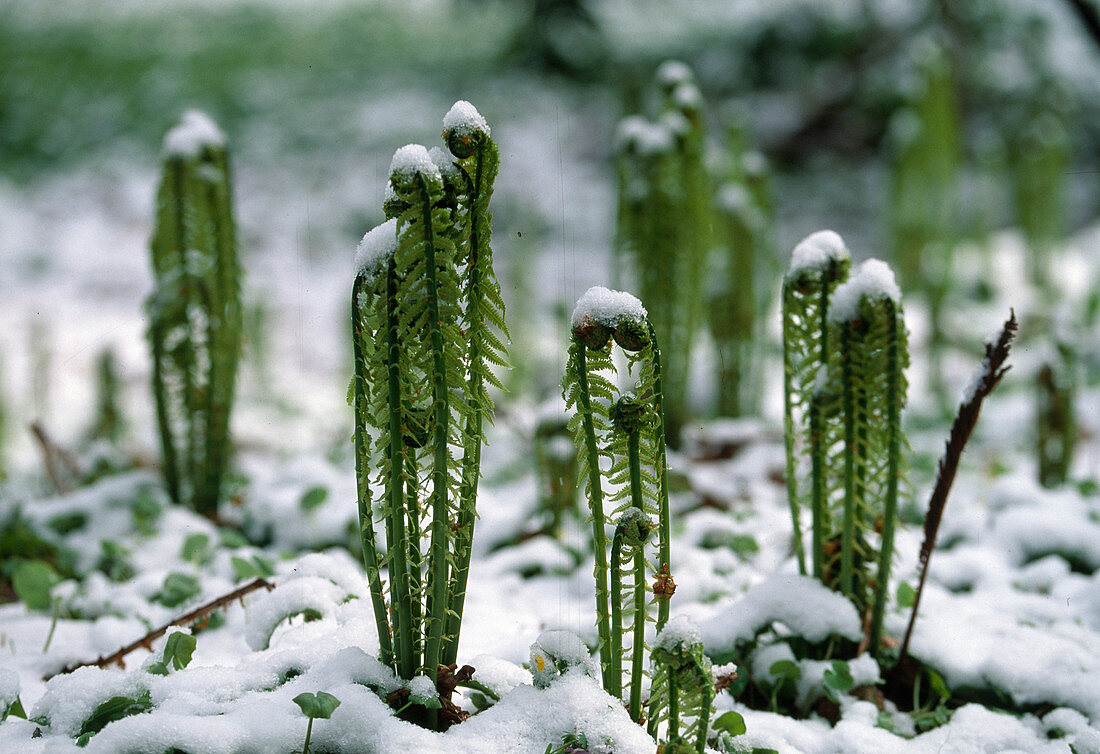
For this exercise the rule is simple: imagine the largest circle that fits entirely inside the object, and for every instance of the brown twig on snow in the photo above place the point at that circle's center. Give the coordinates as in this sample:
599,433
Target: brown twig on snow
196,615
992,370
51,453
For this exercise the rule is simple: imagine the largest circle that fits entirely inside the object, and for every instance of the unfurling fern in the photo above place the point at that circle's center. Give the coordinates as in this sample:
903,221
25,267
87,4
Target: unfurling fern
195,312
619,440
819,263
428,324
867,389
683,688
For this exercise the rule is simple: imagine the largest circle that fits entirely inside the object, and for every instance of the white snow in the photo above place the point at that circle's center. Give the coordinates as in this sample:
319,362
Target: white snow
673,72
679,633
816,251
802,604
196,131
873,280
445,161
557,646
637,133
607,307
422,685
464,119
374,251
412,159
9,686
287,599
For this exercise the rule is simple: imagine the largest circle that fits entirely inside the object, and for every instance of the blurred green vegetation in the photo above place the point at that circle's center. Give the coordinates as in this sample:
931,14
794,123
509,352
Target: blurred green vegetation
70,84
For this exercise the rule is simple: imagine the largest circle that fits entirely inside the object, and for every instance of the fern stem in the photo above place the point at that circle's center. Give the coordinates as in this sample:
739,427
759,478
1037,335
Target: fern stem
890,508
615,688
847,543
788,438
673,708
471,461
817,486
397,535
366,519
704,722
639,635
437,615
595,497
664,533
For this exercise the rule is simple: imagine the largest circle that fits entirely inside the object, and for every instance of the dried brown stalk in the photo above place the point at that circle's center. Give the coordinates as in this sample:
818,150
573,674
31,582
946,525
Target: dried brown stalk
195,616
993,370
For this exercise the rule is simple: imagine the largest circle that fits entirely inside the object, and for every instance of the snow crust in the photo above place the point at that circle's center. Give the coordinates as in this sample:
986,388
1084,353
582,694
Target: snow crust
637,133
374,251
287,599
9,686
802,604
195,132
464,119
872,280
412,159
816,251
445,161
673,72
607,307
679,632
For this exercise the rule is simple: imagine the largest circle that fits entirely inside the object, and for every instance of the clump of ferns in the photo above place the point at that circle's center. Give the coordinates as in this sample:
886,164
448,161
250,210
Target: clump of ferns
666,203
428,331
683,692
620,442
845,355
195,312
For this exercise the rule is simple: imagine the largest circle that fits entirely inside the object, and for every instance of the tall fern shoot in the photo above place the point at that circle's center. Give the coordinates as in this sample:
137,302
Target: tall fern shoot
195,312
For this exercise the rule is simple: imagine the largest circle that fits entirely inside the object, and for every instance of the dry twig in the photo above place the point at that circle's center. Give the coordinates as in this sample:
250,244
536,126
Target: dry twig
992,370
196,615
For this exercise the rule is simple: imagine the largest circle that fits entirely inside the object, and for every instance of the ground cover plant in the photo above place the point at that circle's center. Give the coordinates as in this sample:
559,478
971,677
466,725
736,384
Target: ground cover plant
734,492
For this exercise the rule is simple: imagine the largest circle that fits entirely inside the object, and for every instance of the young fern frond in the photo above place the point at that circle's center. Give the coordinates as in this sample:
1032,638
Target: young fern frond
620,440
819,263
429,329
467,137
195,316
683,688
872,354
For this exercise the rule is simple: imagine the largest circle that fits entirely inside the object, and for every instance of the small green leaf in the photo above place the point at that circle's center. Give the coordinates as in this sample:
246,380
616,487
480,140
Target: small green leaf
32,582
178,649
158,668
196,549
257,567
838,678
731,722
15,709
115,708
907,595
938,684
232,538
319,705
785,670
313,498
177,589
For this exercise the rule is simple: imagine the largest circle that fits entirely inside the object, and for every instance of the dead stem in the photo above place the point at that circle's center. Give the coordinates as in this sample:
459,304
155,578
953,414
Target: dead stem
195,616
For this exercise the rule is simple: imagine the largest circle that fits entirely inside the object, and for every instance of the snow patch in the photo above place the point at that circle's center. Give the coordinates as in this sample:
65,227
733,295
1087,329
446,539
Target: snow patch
802,604
413,159
607,307
196,131
374,251
816,251
872,280
463,119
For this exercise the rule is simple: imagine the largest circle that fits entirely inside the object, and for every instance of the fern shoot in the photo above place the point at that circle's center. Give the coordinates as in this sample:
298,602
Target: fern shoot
869,387
428,325
633,461
819,263
683,688
195,312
